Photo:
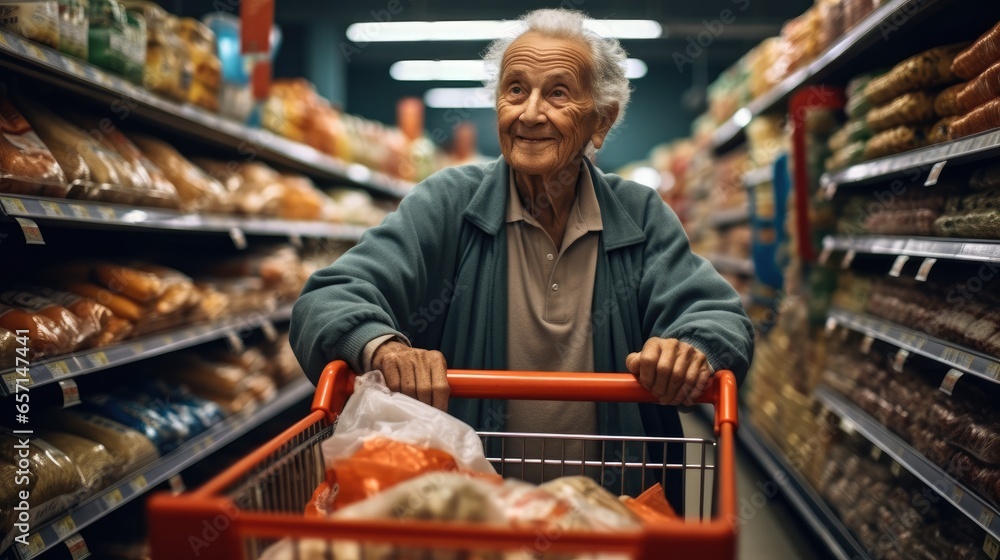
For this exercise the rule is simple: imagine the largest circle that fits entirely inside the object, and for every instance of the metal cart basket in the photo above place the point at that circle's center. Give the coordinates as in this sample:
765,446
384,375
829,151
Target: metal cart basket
261,500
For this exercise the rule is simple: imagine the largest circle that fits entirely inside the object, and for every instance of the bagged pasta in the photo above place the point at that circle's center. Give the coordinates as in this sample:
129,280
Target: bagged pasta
27,166
929,69
130,448
973,60
59,484
909,108
90,458
894,141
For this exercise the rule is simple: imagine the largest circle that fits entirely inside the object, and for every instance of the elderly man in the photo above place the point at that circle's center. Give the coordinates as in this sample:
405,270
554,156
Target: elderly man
536,261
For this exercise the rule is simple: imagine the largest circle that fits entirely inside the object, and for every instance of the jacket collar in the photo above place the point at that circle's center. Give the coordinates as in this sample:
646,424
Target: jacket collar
488,207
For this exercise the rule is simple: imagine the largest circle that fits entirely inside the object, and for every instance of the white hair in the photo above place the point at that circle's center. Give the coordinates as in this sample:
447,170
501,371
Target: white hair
610,87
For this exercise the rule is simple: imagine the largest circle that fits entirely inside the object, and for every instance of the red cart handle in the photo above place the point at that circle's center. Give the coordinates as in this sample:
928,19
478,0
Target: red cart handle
336,384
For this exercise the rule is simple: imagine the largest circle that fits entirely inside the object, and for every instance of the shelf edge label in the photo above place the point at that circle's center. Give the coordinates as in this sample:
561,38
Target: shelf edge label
949,381
935,174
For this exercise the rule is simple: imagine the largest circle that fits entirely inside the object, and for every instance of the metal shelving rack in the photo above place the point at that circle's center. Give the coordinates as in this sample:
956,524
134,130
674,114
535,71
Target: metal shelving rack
731,265
69,523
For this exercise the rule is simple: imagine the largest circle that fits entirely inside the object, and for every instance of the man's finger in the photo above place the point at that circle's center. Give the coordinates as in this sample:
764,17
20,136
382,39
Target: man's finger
663,370
648,359
391,373
408,376
704,378
677,375
423,374
440,388
632,362
691,377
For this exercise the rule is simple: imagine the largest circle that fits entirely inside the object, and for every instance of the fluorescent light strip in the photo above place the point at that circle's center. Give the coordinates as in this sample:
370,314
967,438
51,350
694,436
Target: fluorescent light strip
485,30
464,98
470,70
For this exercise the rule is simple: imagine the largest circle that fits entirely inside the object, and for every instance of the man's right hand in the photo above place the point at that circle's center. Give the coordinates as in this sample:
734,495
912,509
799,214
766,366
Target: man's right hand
421,374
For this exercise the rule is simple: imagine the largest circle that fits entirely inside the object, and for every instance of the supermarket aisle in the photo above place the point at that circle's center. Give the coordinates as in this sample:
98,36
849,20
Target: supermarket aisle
773,532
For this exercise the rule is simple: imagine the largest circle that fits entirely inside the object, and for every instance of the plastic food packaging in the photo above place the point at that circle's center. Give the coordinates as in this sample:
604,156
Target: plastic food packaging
26,164
121,306
983,88
90,458
852,131
984,117
941,131
135,53
163,429
895,140
982,441
852,154
909,108
59,484
73,28
599,508
75,330
651,506
139,285
197,190
979,56
177,294
108,40
929,69
52,329
8,349
200,42
130,448
37,20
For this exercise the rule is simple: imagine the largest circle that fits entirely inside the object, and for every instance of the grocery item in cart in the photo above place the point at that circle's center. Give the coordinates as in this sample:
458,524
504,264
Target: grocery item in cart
26,164
973,60
197,190
37,20
929,69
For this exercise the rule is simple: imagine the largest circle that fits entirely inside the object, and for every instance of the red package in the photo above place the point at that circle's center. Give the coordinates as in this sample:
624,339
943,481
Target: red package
651,506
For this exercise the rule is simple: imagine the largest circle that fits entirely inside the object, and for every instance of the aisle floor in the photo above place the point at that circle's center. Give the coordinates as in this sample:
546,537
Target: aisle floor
774,531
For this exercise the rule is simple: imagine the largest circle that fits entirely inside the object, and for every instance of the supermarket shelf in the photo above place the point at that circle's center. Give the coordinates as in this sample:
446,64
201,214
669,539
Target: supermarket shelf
800,494
111,216
81,363
196,449
732,265
925,247
69,73
952,355
758,176
853,45
728,218
916,163
966,501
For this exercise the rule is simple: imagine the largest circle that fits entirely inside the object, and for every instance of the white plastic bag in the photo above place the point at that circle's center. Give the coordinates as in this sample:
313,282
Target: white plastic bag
373,410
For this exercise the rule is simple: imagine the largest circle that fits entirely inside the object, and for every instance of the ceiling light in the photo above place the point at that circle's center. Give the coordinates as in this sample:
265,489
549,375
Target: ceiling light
465,98
470,70
485,30
648,176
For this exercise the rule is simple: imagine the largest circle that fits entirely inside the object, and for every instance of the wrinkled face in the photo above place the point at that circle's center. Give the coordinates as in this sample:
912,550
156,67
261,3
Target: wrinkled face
545,110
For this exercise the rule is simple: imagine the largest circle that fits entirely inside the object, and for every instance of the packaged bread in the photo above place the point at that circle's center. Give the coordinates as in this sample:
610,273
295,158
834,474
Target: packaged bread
73,28
52,329
204,377
130,449
27,166
109,328
894,141
200,42
8,349
909,108
138,285
983,118
121,306
979,56
37,20
196,189
929,69
850,154
210,304
112,178
161,192
76,330
946,102
90,458
178,289
12,482
980,89
941,130
58,478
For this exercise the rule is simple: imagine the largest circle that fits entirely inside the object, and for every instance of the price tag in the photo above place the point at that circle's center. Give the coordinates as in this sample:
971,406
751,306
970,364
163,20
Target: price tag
107,213
957,494
993,370
77,547
866,344
10,380
3,41
295,239
73,67
269,331
235,342
138,484
65,526
167,339
831,325
33,51
13,205
239,239
113,498
58,369
895,469
80,211
51,209
70,392
848,259
824,256
949,381
986,517
897,267
176,484
925,269
876,453
900,360
991,547
98,359
32,235
830,190
935,174
34,547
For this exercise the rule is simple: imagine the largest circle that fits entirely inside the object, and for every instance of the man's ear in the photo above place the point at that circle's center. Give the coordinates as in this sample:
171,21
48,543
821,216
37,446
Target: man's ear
603,127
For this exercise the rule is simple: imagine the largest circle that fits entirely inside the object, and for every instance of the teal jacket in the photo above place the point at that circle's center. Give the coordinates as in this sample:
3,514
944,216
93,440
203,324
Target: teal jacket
436,271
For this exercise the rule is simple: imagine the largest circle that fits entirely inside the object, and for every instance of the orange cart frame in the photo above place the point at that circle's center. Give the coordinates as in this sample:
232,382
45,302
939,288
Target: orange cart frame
209,522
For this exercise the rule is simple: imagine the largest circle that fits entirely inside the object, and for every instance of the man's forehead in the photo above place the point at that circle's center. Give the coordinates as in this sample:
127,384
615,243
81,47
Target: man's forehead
554,52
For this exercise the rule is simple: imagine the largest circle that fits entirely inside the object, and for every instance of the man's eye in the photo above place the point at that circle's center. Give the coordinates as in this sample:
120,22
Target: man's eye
559,93
516,90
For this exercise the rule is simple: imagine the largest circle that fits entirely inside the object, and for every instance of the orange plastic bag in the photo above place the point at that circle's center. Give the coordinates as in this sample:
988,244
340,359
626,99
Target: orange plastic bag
651,506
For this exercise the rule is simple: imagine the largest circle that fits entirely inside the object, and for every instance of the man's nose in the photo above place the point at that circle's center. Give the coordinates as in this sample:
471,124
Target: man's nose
534,109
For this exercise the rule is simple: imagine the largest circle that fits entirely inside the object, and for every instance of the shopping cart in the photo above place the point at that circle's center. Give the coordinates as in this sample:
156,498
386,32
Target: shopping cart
261,499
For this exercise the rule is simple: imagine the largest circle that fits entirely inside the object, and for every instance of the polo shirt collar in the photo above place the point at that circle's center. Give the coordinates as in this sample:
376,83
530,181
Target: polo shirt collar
586,212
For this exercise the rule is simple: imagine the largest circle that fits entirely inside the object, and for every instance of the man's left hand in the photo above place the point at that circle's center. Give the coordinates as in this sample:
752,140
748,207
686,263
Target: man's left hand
673,371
